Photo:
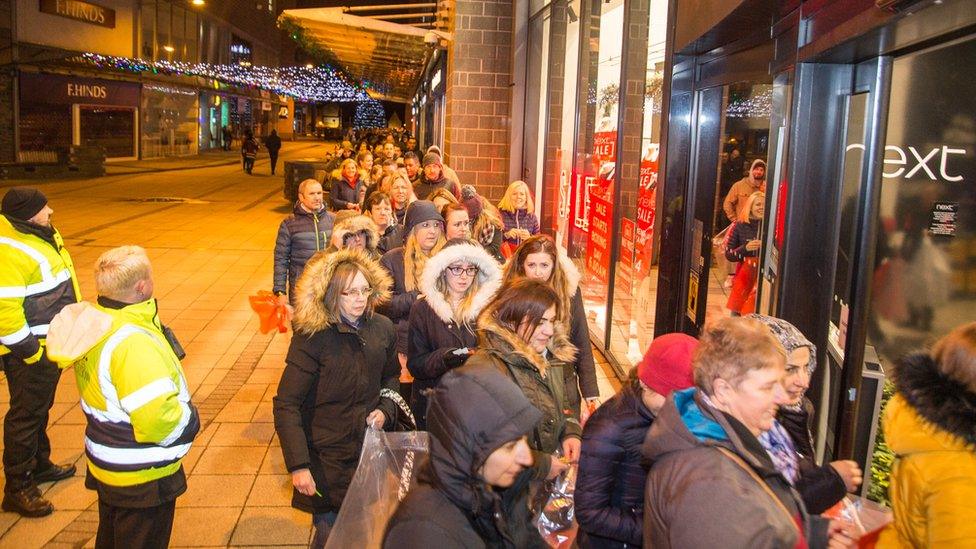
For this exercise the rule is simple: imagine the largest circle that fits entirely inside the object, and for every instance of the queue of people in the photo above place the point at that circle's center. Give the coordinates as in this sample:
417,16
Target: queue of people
708,443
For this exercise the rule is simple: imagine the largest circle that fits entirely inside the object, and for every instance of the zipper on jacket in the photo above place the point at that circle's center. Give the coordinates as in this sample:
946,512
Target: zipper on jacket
315,222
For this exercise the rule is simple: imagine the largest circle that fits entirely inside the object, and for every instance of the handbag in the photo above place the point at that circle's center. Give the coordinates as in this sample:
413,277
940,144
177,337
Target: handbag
405,420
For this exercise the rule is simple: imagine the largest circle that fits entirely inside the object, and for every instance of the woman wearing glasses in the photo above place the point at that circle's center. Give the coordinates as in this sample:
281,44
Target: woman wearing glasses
456,284
341,356
424,232
515,335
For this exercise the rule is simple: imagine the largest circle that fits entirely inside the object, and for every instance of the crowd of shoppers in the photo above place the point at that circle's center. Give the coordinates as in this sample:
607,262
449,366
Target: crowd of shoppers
427,289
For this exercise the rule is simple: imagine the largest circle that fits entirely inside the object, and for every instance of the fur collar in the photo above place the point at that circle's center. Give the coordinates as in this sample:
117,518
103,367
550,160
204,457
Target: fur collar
938,399
355,224
489,277
492,335
311,314
570,272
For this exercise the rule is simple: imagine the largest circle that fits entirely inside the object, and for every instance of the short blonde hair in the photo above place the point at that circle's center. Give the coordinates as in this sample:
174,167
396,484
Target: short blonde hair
747,211
305,184
118,270
505,204
730,348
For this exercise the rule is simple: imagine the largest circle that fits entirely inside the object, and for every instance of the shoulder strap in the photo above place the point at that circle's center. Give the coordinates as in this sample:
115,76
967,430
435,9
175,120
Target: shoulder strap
400,403
745,466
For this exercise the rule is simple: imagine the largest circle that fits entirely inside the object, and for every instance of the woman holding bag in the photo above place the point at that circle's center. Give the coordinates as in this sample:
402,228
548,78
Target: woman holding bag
456,285
743,248
340,358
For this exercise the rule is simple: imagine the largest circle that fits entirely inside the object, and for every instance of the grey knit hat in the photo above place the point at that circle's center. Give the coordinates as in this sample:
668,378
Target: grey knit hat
419,211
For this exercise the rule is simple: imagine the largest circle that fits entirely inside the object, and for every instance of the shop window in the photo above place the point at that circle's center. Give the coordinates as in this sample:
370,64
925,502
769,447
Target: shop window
635,278
169,121
592,209
44,128
112,128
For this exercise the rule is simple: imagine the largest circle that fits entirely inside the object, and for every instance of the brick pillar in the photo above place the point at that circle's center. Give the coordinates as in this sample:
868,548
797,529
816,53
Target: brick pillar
557,74
7,152
479,98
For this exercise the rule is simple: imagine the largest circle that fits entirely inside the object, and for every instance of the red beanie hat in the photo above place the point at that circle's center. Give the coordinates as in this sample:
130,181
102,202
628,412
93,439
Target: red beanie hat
666,365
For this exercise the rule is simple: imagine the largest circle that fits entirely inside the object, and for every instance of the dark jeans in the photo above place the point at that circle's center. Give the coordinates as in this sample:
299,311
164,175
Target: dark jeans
26,447
323,523
274,162
248,164
145,528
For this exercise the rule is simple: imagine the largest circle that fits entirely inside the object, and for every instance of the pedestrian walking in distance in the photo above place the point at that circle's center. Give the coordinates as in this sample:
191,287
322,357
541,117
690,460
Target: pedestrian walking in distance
249,151
37,279
273,144
141,422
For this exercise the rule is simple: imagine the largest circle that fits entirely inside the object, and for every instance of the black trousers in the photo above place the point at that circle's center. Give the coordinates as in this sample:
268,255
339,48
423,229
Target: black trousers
26,447
274,162
142,528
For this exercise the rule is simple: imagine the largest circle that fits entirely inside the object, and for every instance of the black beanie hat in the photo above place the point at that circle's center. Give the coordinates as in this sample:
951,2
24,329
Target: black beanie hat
23,203
419,211
431,158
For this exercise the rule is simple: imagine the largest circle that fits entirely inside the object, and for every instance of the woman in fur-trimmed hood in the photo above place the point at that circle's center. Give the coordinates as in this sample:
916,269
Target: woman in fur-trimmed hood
354,230
341,356
456,284
930,425
519,334
539,258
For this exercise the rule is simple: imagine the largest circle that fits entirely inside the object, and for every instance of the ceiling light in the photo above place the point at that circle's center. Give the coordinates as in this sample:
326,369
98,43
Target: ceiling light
169,48
197,2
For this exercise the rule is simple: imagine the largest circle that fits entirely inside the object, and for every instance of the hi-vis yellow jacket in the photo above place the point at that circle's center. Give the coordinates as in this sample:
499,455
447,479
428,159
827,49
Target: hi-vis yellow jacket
133,392
37,279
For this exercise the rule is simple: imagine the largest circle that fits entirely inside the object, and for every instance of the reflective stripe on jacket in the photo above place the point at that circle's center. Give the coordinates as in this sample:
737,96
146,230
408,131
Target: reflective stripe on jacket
133,392
37,280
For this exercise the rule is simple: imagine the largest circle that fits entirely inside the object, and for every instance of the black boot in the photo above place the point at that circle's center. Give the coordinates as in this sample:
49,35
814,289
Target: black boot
21,496
54,473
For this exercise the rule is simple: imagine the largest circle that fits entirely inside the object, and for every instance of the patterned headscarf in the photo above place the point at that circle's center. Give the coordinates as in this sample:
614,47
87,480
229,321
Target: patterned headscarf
789,337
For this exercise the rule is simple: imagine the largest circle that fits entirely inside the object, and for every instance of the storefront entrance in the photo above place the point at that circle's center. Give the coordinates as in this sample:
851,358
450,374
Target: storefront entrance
114,129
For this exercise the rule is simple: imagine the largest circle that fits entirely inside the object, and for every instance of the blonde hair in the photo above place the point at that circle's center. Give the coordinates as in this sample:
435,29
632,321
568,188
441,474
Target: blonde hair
118,270
462,313
414,259
304,185
347,162
746,215
730,348
443,193
505,204
955,355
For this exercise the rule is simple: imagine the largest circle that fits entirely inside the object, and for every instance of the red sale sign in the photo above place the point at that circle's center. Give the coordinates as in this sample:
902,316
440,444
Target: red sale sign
646,203
598,244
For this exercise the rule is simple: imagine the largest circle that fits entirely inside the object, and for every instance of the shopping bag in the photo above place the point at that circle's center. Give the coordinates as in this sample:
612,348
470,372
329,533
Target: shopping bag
719,243
557,522
387,470
869,517
508,249
271,313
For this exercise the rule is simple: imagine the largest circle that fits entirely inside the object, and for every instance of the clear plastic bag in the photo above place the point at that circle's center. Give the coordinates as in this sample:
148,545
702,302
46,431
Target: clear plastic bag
387,470
869,517
557,522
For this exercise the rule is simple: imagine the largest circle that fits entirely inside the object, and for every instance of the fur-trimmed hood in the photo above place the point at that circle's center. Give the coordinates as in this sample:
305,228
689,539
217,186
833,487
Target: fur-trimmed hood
492,335
311,314
937,399
353,225
489,279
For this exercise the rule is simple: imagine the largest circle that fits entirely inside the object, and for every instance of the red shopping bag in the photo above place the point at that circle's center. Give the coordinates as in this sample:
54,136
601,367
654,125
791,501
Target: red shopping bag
271,313
869,517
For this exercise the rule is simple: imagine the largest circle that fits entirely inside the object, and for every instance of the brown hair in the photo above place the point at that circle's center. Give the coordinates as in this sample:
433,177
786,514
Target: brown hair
540,243
342,277
451,207
522,301
955,355
730,348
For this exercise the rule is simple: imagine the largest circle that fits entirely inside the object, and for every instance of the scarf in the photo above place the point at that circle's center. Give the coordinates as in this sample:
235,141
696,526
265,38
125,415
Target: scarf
781,450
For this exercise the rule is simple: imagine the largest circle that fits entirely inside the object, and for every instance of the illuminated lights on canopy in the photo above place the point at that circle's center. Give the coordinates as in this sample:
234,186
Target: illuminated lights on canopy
754,106
370,114
302,83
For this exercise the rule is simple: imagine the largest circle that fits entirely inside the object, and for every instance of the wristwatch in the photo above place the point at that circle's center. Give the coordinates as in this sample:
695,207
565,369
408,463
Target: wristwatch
279,293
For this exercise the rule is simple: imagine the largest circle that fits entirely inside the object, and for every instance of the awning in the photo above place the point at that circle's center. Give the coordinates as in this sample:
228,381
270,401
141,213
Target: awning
384,47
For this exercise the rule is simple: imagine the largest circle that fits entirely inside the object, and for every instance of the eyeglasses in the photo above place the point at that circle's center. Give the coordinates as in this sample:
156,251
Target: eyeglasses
457,270
358,292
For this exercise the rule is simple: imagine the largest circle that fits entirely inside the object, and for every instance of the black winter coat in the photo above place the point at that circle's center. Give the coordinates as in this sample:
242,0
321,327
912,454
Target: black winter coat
331,382
579,335
398,308
610,485
430,352
273,144
391,238
820,486
342,194
423,186
299,236
742,233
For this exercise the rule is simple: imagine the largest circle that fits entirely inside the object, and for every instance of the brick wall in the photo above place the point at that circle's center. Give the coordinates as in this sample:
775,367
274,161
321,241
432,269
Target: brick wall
478,95
7,152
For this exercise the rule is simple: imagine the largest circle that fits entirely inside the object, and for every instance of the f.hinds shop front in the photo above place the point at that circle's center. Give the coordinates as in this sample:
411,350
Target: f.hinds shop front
58,111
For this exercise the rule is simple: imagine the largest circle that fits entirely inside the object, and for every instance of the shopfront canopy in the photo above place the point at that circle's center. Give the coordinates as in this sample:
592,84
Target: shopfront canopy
384,47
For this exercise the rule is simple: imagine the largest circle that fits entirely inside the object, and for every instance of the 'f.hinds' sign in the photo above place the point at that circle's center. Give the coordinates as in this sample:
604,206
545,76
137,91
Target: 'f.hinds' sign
79,10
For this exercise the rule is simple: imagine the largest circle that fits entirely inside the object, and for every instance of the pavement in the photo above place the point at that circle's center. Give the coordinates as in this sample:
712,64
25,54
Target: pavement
209,253
206,159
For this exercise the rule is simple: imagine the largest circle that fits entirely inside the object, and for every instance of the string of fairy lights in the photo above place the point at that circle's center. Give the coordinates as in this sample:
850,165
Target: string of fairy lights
309,83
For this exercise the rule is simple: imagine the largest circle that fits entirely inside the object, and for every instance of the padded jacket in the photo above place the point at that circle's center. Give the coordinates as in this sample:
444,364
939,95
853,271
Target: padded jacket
299,236
610,485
